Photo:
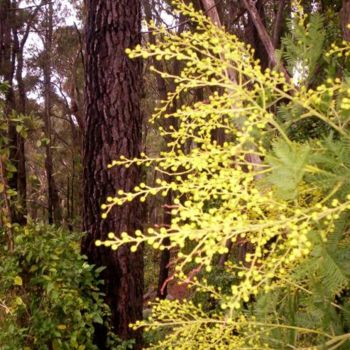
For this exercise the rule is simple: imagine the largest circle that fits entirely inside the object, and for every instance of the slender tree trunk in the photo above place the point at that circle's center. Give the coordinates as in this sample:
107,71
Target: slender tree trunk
12,48
165,254
254,38
7,71
264,35
213,14
345,19
279,21
212,11
53,203
5,211
21,109
6,64
113,127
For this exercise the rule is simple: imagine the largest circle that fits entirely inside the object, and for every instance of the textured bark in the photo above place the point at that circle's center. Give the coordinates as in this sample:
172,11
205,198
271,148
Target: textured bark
113,127
212,11
345,19
5,39
53,202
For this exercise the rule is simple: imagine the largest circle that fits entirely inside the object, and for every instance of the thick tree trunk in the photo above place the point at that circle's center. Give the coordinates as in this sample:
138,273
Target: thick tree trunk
113,128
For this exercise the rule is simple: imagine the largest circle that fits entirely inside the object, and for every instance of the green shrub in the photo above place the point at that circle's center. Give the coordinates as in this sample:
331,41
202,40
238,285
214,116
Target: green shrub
49,294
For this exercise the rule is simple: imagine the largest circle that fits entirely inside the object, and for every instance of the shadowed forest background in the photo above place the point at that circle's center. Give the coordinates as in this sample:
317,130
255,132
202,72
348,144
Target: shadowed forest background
174,174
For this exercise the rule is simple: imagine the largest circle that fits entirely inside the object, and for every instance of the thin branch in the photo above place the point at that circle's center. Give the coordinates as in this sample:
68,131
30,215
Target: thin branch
29,24
80,45
31,6
185,21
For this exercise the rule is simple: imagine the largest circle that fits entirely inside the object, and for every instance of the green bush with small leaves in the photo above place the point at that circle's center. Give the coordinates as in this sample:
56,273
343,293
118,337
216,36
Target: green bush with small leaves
49,294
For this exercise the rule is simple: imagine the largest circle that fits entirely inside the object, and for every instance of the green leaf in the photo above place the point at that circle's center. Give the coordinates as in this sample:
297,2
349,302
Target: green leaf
11,168
19,301
98,319
18,281
288,163
19,128
56,345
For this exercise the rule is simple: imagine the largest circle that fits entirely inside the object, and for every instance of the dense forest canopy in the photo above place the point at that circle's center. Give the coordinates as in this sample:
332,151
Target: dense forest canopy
175,174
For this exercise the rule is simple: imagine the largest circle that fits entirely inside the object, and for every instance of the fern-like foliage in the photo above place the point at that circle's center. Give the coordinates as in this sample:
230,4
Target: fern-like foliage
303,46
287,161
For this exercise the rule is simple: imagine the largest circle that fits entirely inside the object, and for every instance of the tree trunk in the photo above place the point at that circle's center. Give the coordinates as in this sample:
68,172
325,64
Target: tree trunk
211,11
165,254
345,19
21,109
113,128
254,38
7,71
6,64
53,202
250,5
279,22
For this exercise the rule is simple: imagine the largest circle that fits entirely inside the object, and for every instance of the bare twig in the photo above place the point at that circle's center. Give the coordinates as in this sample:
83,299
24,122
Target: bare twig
80,45
44,3
182,23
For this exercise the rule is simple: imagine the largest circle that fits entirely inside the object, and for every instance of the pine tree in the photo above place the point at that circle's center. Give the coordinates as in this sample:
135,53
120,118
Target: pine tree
113,129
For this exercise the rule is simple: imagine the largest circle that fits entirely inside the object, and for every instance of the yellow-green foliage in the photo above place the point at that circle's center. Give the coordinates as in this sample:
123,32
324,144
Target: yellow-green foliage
258,186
